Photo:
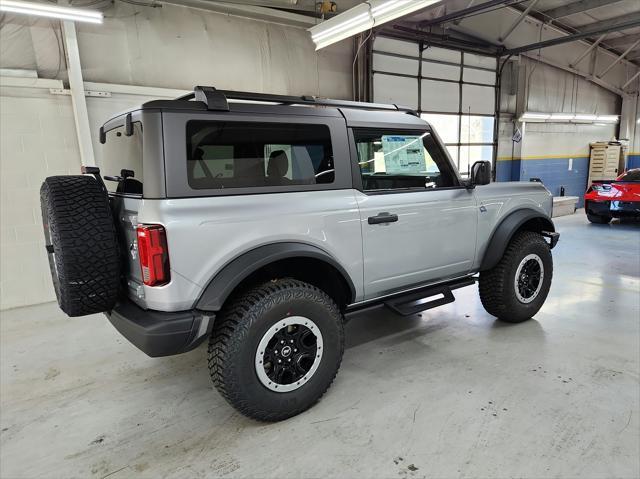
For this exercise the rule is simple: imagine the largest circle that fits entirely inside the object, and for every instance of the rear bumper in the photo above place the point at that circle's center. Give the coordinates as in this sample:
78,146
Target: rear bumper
159,333
615,209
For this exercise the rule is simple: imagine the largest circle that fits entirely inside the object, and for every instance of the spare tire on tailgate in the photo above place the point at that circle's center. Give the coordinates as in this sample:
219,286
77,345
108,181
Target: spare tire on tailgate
81,242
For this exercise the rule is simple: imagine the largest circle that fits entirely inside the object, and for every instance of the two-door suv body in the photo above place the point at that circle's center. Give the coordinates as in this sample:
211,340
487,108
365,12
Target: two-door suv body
259,224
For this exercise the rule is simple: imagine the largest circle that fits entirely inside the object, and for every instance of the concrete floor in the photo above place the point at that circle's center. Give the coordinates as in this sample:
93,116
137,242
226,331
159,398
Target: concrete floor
450,393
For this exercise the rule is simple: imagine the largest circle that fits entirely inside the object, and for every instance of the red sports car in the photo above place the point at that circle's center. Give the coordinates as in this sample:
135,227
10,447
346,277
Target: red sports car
619,198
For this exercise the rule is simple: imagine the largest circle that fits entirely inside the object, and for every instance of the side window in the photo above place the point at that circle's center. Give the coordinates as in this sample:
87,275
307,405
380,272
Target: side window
397,160
246,154
123,152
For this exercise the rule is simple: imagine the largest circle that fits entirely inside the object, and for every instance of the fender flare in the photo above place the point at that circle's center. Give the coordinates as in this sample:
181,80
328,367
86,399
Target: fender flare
234,272
506,229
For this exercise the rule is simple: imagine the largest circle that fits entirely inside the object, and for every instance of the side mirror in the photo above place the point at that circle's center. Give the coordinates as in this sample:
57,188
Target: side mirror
481,173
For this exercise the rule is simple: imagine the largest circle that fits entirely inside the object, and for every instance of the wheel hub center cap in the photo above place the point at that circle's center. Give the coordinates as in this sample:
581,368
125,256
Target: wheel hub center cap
286,351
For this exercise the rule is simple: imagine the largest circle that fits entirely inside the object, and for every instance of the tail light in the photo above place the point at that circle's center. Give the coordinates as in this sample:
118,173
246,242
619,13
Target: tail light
154,255
601,187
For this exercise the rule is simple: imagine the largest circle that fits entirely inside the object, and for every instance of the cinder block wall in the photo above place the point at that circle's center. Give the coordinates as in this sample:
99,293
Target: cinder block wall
38,140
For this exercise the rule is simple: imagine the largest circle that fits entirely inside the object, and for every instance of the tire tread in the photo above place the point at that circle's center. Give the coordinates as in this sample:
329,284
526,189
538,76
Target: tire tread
85,243
231,329
493,284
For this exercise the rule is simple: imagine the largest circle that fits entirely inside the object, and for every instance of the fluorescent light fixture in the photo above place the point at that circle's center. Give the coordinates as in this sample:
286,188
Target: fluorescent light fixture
530,116
362,17
568,118
561,116
51,11
582,117
607,118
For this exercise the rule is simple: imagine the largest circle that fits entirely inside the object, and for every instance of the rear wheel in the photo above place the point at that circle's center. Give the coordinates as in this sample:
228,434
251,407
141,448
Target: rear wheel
81,243
602,220
276,348
515,289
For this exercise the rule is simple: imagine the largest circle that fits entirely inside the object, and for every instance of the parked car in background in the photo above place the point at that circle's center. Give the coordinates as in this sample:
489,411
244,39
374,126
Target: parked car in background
619,198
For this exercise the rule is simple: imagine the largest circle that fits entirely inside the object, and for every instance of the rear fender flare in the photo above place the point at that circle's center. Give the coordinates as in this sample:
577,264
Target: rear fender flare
231,275
506,229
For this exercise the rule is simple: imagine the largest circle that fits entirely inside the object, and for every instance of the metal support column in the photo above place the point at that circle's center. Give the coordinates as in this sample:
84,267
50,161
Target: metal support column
76,85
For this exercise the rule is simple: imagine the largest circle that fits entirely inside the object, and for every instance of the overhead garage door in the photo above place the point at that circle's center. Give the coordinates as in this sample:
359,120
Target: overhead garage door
453,90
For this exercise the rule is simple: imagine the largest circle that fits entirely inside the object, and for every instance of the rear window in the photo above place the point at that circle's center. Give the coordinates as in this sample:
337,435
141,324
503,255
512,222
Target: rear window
224,154
631,175
123,152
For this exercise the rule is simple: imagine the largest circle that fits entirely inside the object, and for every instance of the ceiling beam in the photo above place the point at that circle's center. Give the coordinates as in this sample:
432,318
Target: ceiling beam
611,22
622,41
614,24
467,11
244,10
631,79
633,56
472,44
576,7
438,40
587,51
619,59
305,7
519,20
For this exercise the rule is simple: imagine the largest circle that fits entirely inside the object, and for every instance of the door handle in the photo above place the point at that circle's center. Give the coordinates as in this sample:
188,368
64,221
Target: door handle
383,217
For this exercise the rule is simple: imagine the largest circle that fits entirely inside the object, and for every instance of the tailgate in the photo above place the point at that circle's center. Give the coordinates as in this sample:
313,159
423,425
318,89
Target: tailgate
125,212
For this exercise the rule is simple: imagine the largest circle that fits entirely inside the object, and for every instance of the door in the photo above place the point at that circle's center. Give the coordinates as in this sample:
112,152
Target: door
418,223
604,162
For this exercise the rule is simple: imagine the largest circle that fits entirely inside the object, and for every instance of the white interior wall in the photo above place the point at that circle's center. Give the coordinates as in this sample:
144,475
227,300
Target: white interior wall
549,89
563,140
553,90
543,88
170,47
38,140
179,47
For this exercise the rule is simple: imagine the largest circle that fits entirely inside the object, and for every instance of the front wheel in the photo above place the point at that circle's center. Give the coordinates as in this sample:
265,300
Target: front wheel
276,348
515,289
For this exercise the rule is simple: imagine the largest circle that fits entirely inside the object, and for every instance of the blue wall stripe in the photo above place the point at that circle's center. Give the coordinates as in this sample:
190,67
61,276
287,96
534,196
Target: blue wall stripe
554,173
633,161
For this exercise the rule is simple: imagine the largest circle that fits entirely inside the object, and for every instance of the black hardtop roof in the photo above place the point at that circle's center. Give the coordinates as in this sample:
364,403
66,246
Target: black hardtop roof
208,99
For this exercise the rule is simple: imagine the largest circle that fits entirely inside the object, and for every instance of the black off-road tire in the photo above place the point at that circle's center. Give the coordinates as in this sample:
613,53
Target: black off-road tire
241,326
497,285
597,219
81,242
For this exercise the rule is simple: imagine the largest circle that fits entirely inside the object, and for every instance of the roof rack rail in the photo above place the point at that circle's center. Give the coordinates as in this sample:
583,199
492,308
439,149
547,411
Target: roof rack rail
217,100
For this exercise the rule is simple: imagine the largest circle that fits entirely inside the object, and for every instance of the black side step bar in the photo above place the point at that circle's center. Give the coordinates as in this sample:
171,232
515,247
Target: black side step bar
427,298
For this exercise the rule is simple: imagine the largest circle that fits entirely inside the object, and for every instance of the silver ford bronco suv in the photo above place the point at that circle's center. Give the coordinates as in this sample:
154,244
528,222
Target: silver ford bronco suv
260,222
